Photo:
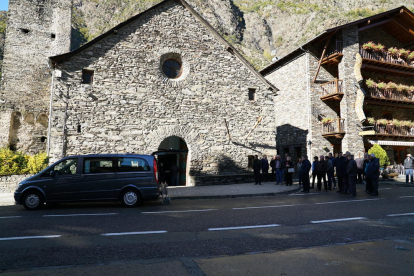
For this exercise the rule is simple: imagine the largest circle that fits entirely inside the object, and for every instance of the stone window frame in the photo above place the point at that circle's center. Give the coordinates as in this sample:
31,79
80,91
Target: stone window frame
161,55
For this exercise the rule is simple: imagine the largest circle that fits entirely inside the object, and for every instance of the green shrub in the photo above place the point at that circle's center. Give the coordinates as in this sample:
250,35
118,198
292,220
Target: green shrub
381,154
14,163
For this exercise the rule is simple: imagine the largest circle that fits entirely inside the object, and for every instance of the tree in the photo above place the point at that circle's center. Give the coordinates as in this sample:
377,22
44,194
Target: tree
381,154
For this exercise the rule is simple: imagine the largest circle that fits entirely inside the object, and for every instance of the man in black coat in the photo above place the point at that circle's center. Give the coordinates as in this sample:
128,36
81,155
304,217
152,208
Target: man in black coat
322,167
273,167
352,171
340,171
257,165
265,169
372,175
345,183
304,172
314,170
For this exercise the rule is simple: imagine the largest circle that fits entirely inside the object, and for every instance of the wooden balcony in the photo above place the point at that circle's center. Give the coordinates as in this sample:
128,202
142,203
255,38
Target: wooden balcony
391,131
333,54
383,62
389,97
331,91
334,129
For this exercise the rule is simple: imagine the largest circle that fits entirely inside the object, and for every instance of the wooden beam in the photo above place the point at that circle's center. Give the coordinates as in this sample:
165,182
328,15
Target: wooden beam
375,24
323,54
258,122
387,70
405,28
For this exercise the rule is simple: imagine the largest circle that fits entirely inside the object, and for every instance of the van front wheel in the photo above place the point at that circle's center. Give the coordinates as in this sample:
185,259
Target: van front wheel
33,200
130,198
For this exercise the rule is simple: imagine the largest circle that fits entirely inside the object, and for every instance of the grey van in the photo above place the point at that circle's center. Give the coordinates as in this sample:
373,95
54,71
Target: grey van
129,178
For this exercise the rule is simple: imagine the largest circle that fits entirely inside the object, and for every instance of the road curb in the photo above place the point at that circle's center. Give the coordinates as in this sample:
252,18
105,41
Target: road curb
233,196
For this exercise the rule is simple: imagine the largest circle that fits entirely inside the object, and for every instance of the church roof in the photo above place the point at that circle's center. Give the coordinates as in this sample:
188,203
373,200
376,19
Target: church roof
385,20
66,56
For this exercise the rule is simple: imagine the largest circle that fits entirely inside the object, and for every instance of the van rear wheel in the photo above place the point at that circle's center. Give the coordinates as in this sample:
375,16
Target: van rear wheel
33,200
131,198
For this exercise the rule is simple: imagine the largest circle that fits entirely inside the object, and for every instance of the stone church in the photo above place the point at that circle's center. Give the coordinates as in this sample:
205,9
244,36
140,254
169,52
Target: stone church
162,80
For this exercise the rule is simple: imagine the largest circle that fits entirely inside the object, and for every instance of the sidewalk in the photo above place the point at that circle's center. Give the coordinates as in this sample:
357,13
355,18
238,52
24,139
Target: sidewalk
230,191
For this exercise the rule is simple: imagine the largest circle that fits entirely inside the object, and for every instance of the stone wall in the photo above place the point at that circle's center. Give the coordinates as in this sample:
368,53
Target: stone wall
352,141
292,106
132,106
36,30
5,120
378,35
8,183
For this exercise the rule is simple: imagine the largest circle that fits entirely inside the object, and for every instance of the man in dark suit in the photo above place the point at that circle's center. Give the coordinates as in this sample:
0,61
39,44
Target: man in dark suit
372,175
352,171
304,172
257,165
345,183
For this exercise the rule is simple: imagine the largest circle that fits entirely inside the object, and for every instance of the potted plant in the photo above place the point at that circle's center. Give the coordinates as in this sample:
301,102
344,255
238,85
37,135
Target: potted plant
371,121
411,56
369,46
370,83
404,53
396,122
327,120
391,85
382,122
379,47
382,85
393,51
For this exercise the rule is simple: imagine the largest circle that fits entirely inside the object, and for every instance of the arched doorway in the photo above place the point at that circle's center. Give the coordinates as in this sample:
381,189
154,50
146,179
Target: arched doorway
176,154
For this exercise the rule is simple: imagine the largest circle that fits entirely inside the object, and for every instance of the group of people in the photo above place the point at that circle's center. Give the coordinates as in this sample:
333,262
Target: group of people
349,172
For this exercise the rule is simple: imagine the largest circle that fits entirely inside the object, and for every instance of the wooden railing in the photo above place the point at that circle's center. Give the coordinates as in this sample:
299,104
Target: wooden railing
337,126
394,130
385,57
332,87
335,48
390,94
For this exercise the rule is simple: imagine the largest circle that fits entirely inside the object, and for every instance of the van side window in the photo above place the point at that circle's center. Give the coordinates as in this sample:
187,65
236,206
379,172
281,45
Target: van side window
98,165
129,164
66,167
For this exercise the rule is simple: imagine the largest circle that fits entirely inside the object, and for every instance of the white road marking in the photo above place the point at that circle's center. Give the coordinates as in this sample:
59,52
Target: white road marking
397,215
79,215
134,233
185,211
30,237
243,227
334,220
262,207
345,201
384,189
405,196
304,194
10,217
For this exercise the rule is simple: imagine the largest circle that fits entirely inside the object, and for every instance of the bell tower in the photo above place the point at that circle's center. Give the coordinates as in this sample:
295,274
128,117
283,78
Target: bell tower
36,30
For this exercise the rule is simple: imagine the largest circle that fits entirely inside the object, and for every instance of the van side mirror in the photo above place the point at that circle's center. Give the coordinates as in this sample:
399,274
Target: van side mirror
52,173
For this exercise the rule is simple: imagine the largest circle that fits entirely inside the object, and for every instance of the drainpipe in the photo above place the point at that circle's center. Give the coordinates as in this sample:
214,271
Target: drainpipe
309,101
50,108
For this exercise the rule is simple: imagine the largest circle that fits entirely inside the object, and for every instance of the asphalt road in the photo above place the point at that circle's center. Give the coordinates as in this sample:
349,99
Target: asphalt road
187,230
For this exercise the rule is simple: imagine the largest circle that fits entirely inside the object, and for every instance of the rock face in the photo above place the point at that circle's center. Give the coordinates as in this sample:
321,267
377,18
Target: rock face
132,106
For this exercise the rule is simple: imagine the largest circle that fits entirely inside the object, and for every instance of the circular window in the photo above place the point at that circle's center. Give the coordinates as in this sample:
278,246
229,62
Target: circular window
172,68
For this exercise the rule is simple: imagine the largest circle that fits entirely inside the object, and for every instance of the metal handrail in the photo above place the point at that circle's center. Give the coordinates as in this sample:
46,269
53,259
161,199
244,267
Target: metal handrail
385,57
390,94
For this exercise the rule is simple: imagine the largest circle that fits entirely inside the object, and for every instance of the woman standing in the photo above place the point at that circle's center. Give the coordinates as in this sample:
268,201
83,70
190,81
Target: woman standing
289,170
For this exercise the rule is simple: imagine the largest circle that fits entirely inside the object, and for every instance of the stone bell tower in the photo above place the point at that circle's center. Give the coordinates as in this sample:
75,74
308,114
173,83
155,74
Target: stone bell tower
36,30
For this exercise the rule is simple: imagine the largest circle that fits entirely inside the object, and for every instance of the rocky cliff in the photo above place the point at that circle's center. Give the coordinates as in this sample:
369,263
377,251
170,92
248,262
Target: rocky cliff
261,29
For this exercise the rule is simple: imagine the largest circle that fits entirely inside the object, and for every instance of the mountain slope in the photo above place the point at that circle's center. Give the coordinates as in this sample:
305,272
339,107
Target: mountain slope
260,29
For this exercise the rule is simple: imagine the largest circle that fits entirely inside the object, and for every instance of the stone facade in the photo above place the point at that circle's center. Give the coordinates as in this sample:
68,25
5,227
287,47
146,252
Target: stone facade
132,106
36,29
290,76
292,108
8,183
